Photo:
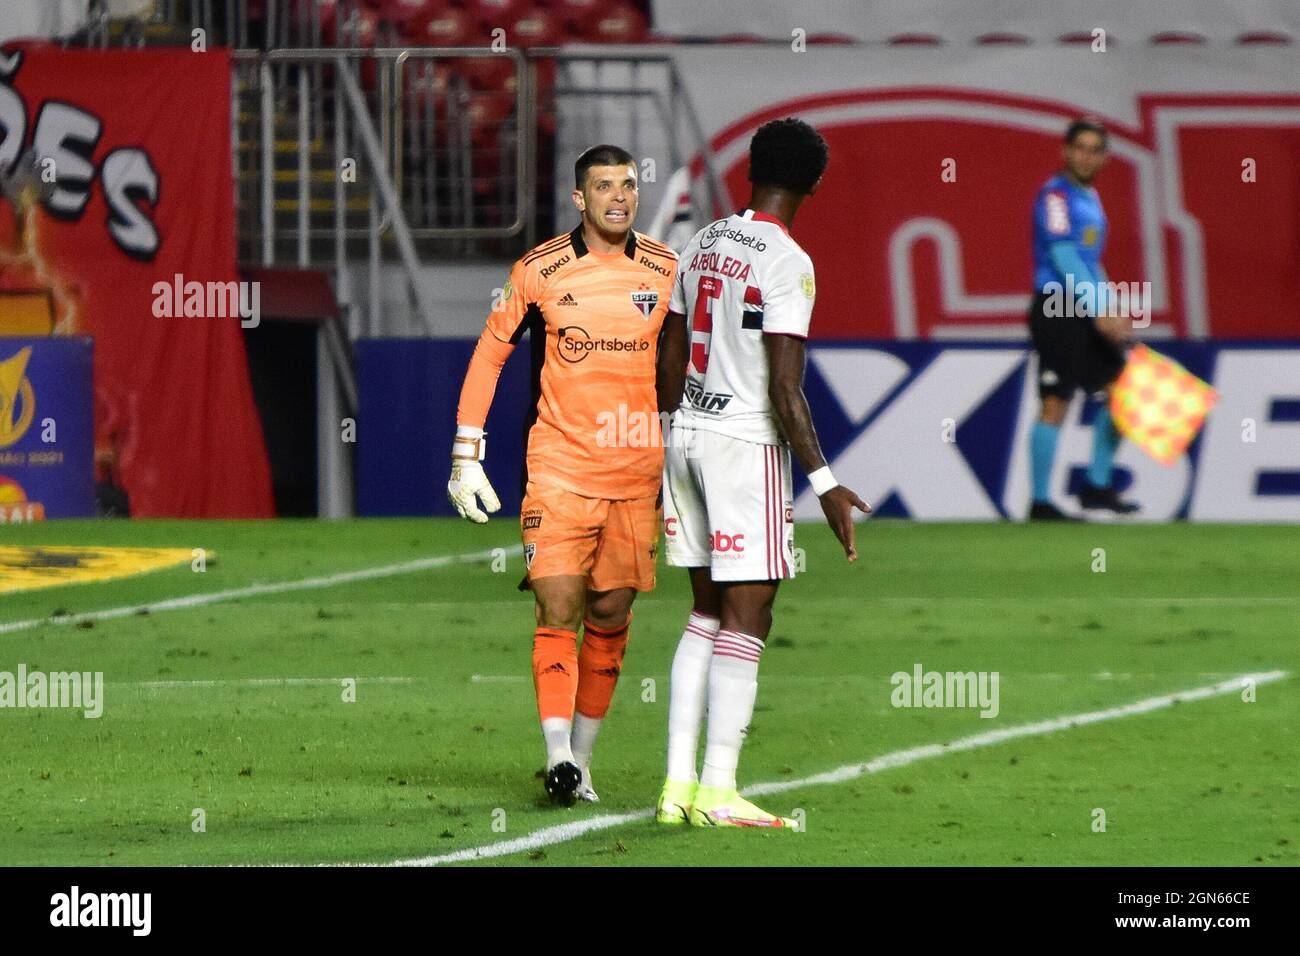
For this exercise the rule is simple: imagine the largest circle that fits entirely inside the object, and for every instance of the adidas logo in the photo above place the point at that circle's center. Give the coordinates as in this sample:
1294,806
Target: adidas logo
556,668
568,299
608,672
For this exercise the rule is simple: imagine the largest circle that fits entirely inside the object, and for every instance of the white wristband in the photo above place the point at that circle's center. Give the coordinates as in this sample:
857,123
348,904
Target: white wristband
822,480
469,443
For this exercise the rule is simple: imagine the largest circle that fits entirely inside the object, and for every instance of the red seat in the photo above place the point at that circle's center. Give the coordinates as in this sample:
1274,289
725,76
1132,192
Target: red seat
1263,37
577,14
487,111
915,39
496,13
488,73
535,27
448,26
1003,39
402,13
1176,38
622,23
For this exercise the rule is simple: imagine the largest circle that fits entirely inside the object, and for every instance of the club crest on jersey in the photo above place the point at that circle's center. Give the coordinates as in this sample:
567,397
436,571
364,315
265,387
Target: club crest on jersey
646,300
530,551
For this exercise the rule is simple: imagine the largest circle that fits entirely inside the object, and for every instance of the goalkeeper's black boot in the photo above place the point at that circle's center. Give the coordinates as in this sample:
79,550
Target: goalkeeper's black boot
1105,499
562,782
1046,511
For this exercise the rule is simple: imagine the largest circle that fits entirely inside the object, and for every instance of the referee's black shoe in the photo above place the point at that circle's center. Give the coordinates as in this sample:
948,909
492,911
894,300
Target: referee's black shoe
1105,499
1046,511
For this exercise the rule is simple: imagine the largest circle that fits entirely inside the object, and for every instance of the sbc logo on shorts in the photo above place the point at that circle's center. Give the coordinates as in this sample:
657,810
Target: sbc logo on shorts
530,551
722,543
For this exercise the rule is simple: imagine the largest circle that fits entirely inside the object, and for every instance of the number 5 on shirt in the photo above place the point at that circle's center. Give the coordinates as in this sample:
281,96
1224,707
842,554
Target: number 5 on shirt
710,288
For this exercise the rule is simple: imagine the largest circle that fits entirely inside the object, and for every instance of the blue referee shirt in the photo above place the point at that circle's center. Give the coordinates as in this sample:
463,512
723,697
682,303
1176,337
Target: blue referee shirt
1069,235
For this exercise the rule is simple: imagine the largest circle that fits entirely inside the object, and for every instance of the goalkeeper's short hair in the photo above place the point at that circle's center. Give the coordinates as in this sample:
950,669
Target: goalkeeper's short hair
602,155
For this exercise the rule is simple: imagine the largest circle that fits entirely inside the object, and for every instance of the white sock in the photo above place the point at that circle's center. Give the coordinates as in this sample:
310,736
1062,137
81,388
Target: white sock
688,690
733,685
583,738
556,730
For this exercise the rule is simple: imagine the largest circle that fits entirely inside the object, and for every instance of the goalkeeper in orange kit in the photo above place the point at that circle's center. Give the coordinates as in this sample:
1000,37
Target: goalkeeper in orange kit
593,302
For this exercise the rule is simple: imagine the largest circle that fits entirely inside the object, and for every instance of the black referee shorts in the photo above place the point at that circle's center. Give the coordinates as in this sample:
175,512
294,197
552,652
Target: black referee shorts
1071,353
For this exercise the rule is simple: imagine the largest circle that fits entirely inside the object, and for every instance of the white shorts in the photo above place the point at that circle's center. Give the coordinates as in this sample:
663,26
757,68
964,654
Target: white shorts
728,506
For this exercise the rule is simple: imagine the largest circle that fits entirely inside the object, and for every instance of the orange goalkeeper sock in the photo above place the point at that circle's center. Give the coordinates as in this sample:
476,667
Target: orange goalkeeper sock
555,672
599,664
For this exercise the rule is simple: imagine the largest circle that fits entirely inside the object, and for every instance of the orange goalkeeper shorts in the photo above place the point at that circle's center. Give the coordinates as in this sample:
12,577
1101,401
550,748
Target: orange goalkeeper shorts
612,543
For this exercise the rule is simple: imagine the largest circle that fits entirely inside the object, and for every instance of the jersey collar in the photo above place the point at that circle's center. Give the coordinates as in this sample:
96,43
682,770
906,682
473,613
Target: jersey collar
580,245
762,217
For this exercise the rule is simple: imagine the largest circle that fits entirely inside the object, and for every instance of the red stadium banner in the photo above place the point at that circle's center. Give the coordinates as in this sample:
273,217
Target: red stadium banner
116,166
921,227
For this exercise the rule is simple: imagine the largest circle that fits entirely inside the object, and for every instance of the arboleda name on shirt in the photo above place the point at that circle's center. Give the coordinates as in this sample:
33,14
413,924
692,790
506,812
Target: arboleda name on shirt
727,266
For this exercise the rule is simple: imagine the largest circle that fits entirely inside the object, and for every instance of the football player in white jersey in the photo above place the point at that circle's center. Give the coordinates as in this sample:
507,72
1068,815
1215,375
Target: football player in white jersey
737,322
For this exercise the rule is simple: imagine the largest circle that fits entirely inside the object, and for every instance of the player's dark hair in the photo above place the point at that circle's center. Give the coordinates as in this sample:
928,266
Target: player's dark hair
1086,124
602,155
787,153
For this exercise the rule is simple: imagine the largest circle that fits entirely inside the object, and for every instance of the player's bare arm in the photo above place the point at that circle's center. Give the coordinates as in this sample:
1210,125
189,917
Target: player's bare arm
670,364
785,360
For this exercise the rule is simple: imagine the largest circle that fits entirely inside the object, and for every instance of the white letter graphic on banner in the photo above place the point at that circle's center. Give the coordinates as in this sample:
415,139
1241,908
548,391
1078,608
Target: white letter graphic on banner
1248,382
898,454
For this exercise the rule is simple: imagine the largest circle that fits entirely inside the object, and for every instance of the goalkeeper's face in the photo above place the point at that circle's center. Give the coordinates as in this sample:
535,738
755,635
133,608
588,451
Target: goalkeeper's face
608,200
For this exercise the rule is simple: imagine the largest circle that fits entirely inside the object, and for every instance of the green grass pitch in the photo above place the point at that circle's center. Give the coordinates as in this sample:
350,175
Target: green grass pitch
440,749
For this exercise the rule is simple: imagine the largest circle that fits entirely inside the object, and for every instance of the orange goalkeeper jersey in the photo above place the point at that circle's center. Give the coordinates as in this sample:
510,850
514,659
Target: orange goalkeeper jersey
594,321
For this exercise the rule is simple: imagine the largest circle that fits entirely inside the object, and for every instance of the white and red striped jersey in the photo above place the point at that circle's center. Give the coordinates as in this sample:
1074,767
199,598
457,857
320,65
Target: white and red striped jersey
739,278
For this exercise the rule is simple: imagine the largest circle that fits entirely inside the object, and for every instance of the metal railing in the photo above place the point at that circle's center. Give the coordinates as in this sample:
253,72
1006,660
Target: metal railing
638,101
471,144
454,165
460,143
332,168
420,90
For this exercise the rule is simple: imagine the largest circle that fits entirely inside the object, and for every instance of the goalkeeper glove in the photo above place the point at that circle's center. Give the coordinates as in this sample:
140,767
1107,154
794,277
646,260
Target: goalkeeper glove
468,480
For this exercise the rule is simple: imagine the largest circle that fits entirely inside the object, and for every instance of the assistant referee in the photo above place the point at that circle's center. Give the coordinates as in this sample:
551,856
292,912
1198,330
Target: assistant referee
1078,338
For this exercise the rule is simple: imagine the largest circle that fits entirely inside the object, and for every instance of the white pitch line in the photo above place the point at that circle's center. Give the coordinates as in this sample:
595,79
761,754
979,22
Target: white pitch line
259,682
565,832
1227,601
257,590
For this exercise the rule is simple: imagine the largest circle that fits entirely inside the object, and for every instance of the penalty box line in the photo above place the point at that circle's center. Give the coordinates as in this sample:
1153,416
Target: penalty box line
564,832
258,590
